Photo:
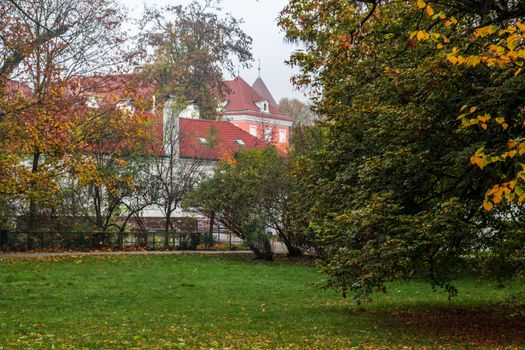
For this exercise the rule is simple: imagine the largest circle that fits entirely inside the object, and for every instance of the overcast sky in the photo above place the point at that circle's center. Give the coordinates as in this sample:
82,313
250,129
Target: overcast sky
260,22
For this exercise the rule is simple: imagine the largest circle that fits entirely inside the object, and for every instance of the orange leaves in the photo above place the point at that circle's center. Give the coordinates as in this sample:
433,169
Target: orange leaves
509,191
423,5
480,159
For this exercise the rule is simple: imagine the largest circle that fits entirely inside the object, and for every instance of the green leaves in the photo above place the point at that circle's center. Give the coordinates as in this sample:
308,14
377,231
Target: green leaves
395,187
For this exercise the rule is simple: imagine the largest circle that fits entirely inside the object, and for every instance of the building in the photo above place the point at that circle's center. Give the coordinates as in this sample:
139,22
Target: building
250,119
254,110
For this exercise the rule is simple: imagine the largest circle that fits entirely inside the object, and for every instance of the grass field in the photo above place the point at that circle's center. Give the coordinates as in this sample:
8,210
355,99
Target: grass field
194,302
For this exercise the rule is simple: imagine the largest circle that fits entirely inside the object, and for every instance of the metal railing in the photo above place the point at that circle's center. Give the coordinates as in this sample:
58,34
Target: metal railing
16,241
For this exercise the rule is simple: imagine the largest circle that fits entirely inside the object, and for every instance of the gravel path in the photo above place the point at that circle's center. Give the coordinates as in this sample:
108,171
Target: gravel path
277,247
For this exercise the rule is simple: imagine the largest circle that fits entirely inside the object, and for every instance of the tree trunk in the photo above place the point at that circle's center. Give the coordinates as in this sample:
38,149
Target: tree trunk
293,251
31,218
210,230
262,254
167,226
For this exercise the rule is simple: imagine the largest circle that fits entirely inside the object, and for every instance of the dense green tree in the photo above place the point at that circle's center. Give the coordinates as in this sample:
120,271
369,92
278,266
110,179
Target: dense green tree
393,193
249,195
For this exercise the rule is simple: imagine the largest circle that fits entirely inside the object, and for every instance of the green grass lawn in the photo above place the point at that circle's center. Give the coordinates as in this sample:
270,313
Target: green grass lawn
194,302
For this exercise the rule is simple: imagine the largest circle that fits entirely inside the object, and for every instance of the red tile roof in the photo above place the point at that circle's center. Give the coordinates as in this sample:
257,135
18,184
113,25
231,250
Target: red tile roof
242,99
220,136
260,87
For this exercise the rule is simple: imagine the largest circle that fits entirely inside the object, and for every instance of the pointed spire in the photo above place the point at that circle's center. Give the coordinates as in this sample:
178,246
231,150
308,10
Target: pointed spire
260,87
259,68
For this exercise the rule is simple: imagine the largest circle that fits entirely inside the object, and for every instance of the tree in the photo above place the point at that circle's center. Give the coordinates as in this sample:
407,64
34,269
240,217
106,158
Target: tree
46,45
301,112
394,193
249,196
113,168
173,176
192,47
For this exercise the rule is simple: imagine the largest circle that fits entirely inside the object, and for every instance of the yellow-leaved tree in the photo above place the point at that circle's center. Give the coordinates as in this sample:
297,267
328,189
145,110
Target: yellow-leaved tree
500,48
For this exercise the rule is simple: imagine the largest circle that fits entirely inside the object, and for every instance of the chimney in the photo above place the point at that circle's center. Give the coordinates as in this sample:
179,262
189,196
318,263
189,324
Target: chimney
170,118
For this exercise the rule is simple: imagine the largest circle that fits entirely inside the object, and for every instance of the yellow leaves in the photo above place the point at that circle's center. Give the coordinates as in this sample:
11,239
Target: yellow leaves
512,41
422,35
451,21
494,53
452,59
481,119
521,148
497,50
485,31
421,4
472,61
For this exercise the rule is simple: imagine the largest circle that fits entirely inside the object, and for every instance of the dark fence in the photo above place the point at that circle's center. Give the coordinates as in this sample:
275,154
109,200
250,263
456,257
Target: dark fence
15,241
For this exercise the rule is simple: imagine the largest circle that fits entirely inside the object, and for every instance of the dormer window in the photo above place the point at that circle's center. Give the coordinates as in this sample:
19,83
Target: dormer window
203,140
239,142
222,105
264,106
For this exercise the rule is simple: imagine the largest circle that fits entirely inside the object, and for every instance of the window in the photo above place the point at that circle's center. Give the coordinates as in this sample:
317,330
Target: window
203,140
268,133
253,130
239,142
264,106
282,136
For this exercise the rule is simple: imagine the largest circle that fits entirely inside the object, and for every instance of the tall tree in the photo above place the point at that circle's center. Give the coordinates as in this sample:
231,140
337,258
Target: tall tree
191,48
172,175
394,193
45,44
